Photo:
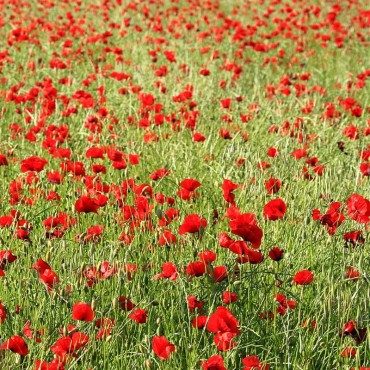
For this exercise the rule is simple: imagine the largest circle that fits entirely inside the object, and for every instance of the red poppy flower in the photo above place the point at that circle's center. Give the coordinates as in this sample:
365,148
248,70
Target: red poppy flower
358,208
169,271
253,363
222,320
16,344
215,362
245,226
194,304
276,254
196,268
82,312
272,186
126,304
139,316
303,277
199,322
274,209
224,341
228,187
2,313
192,224
33,163
229,297
69,344
85,204
162,347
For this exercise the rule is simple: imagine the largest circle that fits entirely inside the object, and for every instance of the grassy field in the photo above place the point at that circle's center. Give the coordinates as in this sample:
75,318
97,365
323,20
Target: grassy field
184,185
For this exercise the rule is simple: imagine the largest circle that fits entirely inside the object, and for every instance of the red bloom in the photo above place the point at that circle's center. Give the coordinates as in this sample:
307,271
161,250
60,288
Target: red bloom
276,254
33,163
218,273
222,320
224,340
188,187
162,347
353,238
16,344
139,316
82,312
69,344
194,304
86,204
272,186
245,226
199,322
358,208
126,304
192,224
2,313
169,271
253,363
196,268
332,219
215,362
6,257
228,187
303,277
274,209
229,297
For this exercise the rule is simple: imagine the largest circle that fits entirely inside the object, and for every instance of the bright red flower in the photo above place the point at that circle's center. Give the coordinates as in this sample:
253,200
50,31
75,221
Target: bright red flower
245,226
169,271
192,224
195,269
358,208
139,316
16,344
55,364
162,347
222,320
228,187
215,362
69,344
275,209
199,322
224,341
303,277
229,297
253,363
82,312
33,163
85,204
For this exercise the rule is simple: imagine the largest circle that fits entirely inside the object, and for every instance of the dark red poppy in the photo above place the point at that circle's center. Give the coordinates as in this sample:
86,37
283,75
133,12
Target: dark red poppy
126,304
276,254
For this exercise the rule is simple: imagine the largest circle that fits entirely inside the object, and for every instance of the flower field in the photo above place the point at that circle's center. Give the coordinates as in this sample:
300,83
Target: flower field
184,184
